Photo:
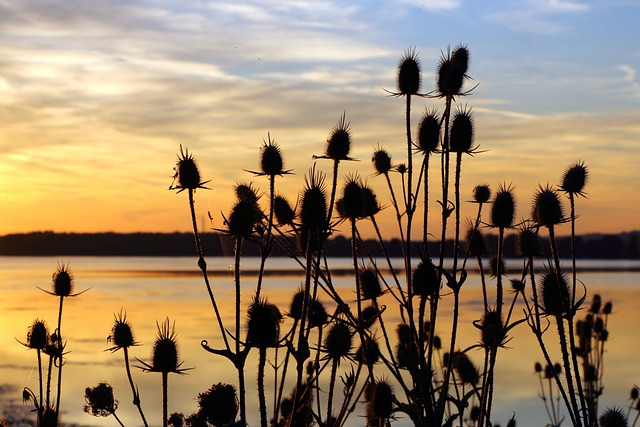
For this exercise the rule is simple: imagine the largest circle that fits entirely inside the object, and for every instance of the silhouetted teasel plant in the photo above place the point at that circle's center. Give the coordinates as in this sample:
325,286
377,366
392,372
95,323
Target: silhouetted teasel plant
318,340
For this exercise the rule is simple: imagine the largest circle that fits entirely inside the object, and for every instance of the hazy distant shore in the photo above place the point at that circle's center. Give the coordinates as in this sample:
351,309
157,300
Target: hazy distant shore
592,246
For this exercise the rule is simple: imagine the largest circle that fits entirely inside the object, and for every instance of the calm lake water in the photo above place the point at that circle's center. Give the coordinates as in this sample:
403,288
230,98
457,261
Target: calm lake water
151,289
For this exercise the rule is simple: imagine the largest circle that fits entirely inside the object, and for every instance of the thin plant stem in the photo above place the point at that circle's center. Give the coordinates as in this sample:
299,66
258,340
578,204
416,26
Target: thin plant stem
136,395
117,419
61,350
239,363
261,396
165,380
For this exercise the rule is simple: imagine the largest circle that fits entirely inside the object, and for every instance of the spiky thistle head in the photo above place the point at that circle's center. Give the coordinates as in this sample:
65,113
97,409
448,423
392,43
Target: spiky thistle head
476,245
428,132
313,202
493,331
339,340
164,355
187,175
461,136
263,325
613,417
317,315
339,142
369,352
246,192
467,371
381,161
555,293
352,204
62,280
99,400
452,71
409,73
121,332
425,279
219,405
295,308
547,210
243,218
382,400
368,316
527,242
371,205
481,193
574,179
285,214
369,284
503,209
271,163
37,335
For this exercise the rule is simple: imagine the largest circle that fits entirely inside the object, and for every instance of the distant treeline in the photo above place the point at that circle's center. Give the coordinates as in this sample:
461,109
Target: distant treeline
592,246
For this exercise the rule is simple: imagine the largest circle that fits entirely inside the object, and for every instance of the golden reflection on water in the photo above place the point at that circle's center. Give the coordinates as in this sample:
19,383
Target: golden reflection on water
180,295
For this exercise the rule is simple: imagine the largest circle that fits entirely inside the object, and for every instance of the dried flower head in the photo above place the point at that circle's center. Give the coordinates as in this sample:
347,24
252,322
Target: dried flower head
263,325
121,332
476,245
461,136
481,193
547,210
425,279
368,316
369,352
369,284
339,340
382,401
271,162
574,179
352,204
243,219
37,335
164,356
428,132
99,400
527,243
313,202
493,330
339,142
452,71
504,208
381,161
186,174
219,404
371,205
317,315
62,281
467,371
555,293
409,73
285,214
613,417
295,308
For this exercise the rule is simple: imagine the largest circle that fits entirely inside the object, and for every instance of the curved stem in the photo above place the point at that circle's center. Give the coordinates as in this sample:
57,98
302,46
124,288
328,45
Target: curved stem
261,396
136,396
61,350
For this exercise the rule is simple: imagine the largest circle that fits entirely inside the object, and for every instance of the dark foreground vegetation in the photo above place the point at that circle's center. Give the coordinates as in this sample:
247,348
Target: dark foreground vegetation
47,243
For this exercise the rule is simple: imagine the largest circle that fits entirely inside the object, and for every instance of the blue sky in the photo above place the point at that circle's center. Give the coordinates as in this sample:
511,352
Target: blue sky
95,98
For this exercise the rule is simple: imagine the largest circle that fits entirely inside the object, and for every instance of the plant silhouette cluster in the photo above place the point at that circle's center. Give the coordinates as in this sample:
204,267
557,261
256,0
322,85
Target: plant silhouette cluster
387,352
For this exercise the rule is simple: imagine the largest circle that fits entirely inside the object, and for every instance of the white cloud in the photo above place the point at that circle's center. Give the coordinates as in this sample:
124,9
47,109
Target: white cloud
539,16
435,4
628,71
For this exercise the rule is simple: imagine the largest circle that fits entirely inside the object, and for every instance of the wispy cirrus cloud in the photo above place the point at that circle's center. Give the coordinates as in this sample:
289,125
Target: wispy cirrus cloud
539,16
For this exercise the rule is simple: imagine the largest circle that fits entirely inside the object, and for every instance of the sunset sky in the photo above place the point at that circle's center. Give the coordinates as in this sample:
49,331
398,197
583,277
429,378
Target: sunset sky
97,96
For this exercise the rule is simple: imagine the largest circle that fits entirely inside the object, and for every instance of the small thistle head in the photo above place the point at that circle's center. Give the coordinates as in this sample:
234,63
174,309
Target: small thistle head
607,308
425,279
164,356
271,162
368,352
467,371
382,400
121,333
409,73
503,209
295,308
635,392
429,132
476,245
460,57
38,335
517,285
461,136
369,284
339,142
339,340
481,193
403,332
596,303
555,293
547,210
537,367
285,214
219,405
318,315
381,161
263,325
313,202
186,174
368,316
243,218
574,179
493,330
452,71
613,417
246,192
62,280
99,400
527,243
352,204
401,168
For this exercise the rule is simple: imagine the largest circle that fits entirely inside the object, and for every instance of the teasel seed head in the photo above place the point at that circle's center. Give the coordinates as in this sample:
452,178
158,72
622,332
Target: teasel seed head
537,367
517,285
246,192
467,371
62,281
635,392
476,245
368,352
548,372
313,202
461,136
596,303
295,308
352,204
460,57
381,161
475,413
382,400
339,340
404,334
557,368
164,356
121,333
481,193
613,417
409,73
401,168
555,294
369,284
504,208
285,214
547,210
606,309
243,219
271,162
574,179
425,279
99,400
37,335
219,405
318,315
527,243
339,142
371,205
263,325
428,132
186,173
493,331
452,71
